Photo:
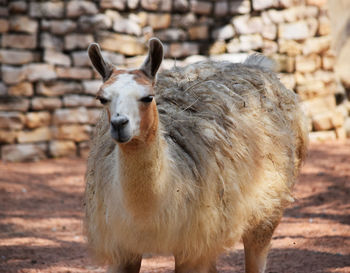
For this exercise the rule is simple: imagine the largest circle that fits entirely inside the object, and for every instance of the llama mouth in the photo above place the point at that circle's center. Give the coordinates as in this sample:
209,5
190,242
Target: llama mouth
120,135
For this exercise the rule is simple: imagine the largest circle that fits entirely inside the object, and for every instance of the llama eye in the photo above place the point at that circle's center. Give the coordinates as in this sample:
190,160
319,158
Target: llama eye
147,99
102,100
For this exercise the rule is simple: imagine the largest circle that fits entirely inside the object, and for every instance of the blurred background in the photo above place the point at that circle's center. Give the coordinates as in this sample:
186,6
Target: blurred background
47,85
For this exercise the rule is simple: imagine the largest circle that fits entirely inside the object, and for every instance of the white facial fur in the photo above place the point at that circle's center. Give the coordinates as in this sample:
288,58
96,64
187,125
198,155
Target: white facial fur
124,95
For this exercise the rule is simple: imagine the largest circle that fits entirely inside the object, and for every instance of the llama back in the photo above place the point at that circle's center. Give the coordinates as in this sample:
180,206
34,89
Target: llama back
231,106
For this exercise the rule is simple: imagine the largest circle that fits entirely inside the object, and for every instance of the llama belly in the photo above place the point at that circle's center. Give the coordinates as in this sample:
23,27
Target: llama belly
146,237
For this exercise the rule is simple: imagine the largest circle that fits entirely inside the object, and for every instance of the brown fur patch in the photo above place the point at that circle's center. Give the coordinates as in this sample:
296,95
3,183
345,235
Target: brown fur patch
148,127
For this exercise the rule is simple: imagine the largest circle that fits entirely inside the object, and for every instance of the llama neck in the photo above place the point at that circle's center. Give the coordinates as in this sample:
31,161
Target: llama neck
142,168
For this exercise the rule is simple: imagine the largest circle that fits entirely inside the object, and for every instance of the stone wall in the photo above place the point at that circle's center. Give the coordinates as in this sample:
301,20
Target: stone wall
47,87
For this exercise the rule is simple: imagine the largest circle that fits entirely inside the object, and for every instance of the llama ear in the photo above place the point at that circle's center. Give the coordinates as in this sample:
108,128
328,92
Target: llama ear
105,69
154,58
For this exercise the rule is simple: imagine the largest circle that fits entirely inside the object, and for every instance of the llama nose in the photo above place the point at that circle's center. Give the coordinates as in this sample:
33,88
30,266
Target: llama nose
119,122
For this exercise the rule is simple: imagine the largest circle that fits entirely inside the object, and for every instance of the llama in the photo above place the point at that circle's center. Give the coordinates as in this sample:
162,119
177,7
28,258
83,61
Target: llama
189,161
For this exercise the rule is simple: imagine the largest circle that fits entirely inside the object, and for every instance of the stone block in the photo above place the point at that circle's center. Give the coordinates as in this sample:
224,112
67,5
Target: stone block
72,132
327,120
347,127
46,9
132,4
284,63
40,71
23,24
223,33
307,63
76,73
56,58
21,89
37,119
239,7
218,47
294,31
324,26
114,58
185,49
316,45
328,62
124,44
181,5
36,135
269,47
201,7
288,80
12,74
159,21
150,4
4,25
62,148
84,149
312,89
269,31
23,152
183,21
245,24
80,58
127,26
133,62
233,46
11,120
39,103
77,8
263,4
91,87
78,100
318,105
273,16
94,23
20,41
322,136
4,12
250,42
171,35
10,56
17,7
14,104
62,27
80,41
199,32
58,88
337,119
317,3
3,89
69,116
113,4
8,136
48,41
290,47
221,8
340,133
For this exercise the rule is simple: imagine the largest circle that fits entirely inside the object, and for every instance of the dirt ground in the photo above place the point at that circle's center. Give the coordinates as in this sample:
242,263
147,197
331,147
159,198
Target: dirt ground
41,219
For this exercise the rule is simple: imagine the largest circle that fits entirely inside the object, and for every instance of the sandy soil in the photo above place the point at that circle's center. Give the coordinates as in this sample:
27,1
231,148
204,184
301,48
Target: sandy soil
41,212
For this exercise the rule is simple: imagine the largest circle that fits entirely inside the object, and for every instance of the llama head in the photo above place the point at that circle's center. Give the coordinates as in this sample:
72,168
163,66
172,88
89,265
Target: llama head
128,95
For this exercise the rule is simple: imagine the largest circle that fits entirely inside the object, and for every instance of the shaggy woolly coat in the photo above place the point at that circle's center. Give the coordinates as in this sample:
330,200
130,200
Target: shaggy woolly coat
232,139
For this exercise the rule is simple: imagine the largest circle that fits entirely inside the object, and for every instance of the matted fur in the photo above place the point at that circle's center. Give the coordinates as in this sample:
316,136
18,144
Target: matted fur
229,148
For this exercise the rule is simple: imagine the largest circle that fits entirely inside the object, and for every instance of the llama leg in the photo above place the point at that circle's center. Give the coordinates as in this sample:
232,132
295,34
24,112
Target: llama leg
201,266
132,266
256,246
